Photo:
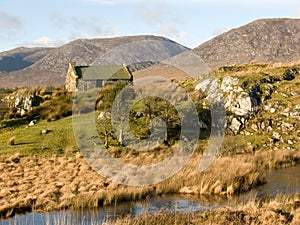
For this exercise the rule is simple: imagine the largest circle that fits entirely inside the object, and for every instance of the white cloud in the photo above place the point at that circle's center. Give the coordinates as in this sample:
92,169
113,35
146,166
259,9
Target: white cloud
45,42
112,32
152,14
171,31
9,23
92,28
49,42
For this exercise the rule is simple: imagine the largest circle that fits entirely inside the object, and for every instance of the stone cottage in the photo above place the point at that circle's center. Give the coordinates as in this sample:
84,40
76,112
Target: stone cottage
88,77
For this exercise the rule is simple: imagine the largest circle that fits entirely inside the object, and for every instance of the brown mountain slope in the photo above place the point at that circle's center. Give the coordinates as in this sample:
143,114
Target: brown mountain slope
263,41
51,69
20,58
266,41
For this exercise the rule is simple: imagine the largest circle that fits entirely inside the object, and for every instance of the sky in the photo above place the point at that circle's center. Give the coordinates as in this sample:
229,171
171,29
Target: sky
46,23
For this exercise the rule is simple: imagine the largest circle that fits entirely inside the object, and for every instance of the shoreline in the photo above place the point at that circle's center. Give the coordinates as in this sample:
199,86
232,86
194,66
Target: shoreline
45,184
281,210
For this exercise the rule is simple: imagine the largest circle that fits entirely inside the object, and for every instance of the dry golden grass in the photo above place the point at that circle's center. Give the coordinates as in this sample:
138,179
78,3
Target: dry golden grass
161,70
280,210
39,183
275,159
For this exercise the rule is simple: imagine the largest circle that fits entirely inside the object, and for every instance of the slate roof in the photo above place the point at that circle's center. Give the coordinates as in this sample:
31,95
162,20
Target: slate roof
103,73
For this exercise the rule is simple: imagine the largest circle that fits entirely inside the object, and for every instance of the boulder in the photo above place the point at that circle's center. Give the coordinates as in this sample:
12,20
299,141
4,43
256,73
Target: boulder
242,104
32,123
31,101
235,125
287,126
277,136
104,115
45,131
18,102
290,74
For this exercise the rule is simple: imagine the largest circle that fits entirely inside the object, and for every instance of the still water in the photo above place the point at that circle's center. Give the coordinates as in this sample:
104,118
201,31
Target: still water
281,181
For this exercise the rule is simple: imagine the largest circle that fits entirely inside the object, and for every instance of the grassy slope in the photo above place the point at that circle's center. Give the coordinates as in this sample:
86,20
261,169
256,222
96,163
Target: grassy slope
29,141
60,141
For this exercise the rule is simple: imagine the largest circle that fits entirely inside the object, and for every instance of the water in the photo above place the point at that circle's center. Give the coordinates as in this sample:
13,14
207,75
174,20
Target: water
281,181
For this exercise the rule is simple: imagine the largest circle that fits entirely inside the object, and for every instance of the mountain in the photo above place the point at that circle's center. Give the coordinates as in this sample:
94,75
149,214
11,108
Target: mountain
20,58
51,69
263,41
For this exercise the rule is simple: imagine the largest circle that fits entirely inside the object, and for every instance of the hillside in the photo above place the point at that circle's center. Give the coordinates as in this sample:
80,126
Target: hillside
262,132
262,41
51,69
20,58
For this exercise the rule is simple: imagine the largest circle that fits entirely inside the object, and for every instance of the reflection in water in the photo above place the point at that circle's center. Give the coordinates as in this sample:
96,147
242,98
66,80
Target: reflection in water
282,181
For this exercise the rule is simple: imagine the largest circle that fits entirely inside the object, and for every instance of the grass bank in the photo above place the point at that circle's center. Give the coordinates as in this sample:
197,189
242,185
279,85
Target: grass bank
32,183
280,210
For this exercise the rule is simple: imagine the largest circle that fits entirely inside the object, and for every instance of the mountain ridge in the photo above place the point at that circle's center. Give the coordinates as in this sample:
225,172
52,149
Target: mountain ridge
261,41
51,69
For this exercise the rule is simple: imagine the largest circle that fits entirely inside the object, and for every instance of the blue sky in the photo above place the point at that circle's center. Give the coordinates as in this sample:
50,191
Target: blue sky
33,23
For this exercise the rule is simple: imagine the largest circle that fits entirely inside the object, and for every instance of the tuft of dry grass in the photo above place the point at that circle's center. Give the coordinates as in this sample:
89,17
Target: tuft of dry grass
275,159
62,182
280,210
11,141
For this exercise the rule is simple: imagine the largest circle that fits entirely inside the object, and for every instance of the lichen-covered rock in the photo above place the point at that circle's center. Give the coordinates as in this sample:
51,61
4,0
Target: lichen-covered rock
235,125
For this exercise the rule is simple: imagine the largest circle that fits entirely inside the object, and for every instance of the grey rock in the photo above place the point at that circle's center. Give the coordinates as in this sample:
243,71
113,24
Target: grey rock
235,126
277,136
290,74
31,101
287,126
229,83
32,123
269,129
254,127
243,105
18,102
45,131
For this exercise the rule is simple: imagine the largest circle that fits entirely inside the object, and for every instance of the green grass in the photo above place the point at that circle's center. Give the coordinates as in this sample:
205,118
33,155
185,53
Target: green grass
29,141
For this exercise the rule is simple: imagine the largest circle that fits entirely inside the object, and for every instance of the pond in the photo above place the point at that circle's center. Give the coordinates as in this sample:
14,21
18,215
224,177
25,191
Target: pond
279,181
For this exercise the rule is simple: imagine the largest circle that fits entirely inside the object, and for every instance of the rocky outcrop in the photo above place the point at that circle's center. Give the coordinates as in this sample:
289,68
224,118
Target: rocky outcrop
20,103
244,97
240,103
25,104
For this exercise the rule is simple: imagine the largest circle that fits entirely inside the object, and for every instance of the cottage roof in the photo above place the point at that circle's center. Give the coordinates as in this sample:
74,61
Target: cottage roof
103,73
